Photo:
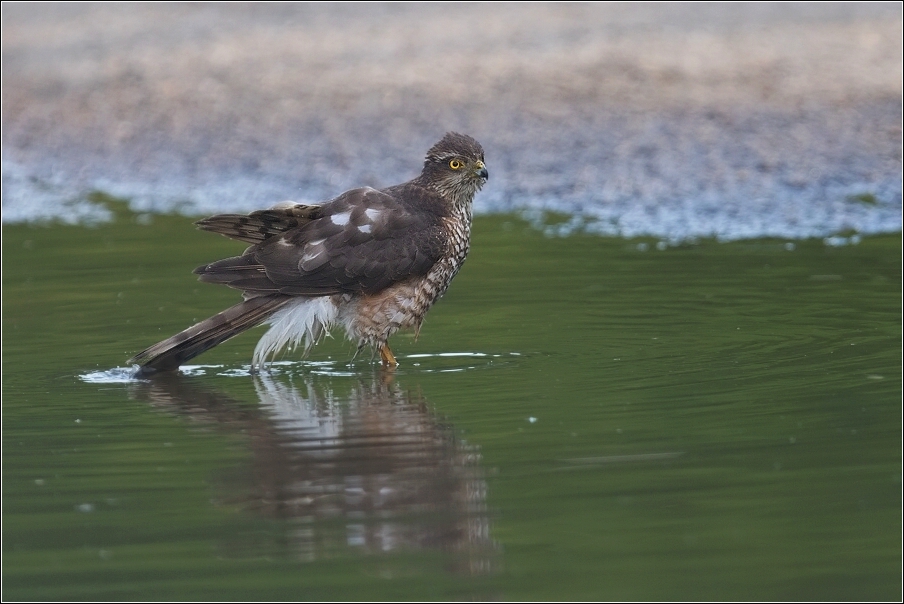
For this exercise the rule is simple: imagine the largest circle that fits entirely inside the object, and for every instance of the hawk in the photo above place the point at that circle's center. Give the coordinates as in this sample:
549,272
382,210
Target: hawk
373,261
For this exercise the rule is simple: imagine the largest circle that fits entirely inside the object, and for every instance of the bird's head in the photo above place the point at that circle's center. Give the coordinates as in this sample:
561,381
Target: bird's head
455,167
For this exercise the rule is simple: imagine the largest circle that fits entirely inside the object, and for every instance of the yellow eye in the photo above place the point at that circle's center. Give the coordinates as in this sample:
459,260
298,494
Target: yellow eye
455,164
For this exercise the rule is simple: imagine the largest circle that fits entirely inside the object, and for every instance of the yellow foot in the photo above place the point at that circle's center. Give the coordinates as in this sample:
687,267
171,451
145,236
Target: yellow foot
386,356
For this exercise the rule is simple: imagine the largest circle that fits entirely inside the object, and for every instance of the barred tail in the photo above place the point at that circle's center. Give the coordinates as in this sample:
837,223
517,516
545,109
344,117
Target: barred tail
185,345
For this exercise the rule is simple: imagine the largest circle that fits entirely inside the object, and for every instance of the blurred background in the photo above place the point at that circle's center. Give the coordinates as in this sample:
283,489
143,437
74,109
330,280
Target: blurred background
671,120
669,370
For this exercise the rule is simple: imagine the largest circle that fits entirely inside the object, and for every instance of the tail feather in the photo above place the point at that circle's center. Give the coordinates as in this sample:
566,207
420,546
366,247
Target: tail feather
185,345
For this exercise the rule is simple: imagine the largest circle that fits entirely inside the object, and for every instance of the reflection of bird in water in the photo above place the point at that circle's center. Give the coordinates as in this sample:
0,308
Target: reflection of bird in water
371,261
370,468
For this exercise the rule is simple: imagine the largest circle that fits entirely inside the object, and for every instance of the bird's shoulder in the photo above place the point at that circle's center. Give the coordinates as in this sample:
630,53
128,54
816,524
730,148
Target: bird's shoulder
366,214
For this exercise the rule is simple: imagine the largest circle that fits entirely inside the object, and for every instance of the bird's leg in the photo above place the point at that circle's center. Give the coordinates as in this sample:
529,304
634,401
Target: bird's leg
358,350
386,356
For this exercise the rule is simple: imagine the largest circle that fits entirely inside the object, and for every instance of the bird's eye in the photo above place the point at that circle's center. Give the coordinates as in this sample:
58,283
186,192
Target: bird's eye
455,164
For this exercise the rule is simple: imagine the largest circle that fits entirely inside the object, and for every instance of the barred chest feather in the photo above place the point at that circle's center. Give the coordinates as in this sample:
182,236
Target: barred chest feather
371,320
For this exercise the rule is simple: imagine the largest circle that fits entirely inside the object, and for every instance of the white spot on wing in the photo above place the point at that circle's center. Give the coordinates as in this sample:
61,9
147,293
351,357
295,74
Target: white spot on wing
364,228
341,219
311,253
372,213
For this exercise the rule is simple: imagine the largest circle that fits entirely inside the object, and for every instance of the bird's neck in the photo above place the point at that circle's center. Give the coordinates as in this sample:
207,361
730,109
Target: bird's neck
458,196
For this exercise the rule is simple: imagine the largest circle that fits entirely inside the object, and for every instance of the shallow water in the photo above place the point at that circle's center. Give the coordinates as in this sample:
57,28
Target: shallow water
581,418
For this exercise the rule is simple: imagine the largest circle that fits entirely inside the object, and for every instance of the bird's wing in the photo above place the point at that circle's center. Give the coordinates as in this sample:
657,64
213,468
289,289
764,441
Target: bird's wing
259,226
362,242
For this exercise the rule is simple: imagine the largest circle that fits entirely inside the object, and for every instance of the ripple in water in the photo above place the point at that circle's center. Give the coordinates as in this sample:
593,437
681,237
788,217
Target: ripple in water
443,362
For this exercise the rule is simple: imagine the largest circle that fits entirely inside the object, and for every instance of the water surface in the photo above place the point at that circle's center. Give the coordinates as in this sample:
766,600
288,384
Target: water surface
581,418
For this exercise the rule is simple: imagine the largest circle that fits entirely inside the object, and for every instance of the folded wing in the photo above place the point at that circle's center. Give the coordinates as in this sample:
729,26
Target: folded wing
360,242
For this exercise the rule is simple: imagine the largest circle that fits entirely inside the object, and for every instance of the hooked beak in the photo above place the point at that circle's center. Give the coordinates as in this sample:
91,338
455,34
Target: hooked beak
481,170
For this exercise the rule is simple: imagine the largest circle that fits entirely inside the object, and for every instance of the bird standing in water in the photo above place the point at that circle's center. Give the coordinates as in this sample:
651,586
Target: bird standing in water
373,261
